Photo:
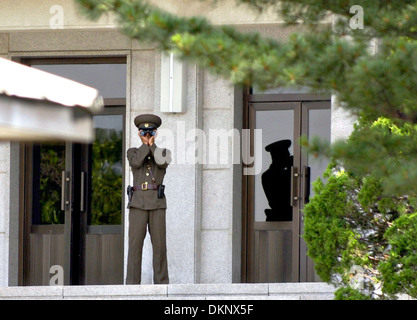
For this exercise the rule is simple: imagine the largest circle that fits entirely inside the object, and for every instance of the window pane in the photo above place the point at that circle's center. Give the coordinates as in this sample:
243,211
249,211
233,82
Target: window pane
108,79
106,170
319,126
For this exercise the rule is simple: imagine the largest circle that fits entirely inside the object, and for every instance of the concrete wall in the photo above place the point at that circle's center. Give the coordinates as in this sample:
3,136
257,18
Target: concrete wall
4,189
341,121
204,207
4,210
217,211
41,15
199,215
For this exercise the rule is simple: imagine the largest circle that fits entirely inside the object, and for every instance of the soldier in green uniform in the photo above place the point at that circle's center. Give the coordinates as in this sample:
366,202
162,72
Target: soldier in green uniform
147,203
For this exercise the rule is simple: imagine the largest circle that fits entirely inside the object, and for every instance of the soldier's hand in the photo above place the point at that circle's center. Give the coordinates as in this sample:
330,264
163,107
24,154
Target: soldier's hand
152,140
144,139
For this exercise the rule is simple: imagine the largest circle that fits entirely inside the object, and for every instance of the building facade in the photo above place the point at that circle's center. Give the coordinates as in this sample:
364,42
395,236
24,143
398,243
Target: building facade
63,205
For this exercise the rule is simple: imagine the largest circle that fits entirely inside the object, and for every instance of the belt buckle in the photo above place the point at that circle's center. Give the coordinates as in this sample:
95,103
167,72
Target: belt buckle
144,186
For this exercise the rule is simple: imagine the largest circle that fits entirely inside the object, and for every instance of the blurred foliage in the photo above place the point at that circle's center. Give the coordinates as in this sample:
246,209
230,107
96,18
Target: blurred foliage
347,293
355,221
378,146
52,163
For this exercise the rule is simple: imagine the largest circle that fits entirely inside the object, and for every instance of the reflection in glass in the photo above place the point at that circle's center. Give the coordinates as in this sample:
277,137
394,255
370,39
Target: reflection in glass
276,182
106,177
48,164
276,125
319,126
93,75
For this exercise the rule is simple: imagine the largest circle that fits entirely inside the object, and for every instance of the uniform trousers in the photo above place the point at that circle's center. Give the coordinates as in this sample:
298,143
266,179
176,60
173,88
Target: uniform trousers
139,220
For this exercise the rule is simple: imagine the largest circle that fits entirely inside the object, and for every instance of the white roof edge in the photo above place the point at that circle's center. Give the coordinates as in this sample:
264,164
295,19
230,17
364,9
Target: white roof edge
23,81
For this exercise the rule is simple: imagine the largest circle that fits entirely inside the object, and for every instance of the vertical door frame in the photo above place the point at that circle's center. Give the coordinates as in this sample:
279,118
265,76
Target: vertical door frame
68,198
248,180
306,106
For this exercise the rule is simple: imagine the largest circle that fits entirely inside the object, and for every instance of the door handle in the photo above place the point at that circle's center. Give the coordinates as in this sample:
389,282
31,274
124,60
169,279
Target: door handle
64,192
306,174
294,185
82,200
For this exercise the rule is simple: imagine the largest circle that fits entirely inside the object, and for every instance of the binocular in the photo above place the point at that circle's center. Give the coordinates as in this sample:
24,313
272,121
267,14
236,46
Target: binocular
144,132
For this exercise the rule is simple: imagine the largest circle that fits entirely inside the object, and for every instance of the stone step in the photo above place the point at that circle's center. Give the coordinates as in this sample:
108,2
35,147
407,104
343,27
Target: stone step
238,291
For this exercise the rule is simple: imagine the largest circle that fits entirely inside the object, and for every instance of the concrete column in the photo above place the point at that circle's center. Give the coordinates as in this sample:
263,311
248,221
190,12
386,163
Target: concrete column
183,177
217,188
341,121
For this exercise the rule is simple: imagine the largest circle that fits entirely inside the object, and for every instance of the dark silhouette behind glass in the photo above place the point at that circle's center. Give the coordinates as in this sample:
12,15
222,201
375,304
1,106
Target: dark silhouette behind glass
276,182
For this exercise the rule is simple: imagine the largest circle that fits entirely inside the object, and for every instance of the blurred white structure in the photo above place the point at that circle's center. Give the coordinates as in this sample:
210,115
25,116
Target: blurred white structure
36,105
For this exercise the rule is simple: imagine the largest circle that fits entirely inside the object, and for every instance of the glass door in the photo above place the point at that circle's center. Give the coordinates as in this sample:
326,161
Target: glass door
48,216
273,219
277,195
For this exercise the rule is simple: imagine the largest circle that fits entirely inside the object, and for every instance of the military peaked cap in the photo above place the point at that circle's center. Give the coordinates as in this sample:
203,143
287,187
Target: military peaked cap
280,146
147,121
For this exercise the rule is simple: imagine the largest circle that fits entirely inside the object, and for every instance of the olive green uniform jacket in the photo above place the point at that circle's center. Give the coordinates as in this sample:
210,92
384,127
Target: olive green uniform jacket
159,160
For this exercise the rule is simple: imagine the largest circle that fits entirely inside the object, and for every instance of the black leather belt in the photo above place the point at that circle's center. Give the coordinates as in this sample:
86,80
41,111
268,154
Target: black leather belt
146,186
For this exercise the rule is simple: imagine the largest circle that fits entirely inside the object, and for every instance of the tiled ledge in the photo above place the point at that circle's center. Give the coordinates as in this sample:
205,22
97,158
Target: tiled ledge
274,291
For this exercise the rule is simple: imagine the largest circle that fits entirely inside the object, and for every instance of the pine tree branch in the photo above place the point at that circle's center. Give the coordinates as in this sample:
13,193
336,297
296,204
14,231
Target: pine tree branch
316,59
381,18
